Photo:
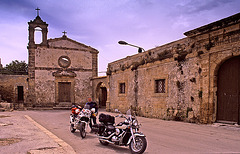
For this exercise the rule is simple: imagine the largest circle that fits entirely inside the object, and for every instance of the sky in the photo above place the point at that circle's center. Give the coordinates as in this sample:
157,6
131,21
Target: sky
102,23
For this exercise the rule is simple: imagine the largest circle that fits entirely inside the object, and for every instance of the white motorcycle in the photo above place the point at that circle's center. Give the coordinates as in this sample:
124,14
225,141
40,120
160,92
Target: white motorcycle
82,120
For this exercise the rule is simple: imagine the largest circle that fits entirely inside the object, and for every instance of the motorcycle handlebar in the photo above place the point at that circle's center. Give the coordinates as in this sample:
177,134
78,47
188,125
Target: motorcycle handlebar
120,115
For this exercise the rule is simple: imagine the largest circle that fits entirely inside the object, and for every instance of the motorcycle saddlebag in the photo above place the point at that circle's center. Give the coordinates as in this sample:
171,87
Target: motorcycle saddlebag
106,119
102,117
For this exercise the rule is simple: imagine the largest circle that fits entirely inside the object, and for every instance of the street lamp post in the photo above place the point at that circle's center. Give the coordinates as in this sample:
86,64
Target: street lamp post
140,49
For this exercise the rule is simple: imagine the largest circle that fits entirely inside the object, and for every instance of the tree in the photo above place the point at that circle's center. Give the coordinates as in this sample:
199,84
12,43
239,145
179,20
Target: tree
16,68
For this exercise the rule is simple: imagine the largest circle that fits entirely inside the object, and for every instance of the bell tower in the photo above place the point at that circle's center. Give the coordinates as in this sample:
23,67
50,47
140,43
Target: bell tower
36,25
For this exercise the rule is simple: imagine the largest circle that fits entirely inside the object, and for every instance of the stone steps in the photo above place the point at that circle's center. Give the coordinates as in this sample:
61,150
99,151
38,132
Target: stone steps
39,108
60,106
63,106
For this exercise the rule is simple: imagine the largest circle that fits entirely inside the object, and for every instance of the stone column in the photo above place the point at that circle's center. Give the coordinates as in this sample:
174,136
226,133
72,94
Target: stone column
31,42
31,78
44,36
94,64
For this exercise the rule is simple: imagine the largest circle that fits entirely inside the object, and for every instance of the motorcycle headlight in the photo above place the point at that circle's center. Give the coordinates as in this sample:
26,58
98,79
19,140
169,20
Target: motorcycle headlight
77,111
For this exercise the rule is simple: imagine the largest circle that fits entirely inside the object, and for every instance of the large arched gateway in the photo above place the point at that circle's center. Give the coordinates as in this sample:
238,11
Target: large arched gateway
100,91
228,93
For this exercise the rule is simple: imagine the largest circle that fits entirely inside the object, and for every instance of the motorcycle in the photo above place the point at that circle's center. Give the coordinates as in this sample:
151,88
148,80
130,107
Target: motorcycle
123,134
81,120
75,111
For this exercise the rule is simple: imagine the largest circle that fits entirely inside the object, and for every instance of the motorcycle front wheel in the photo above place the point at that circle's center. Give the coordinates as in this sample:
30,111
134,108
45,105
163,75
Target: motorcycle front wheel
72,128
82,130
140,146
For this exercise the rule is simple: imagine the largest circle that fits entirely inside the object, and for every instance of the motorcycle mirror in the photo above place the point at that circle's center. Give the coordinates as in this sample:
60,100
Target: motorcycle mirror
128,112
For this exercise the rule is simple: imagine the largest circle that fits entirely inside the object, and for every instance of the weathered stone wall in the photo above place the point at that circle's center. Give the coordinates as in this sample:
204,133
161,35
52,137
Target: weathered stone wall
44,87
83,87
189,67
63,43
117,100
8,87
48,57
181,75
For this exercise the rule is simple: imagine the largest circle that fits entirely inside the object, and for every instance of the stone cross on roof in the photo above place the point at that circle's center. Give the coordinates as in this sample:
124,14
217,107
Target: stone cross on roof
64,33
37,11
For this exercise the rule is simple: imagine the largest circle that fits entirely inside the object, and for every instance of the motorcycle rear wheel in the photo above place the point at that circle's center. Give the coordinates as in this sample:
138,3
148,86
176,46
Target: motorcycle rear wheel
82,130
140,146
72,128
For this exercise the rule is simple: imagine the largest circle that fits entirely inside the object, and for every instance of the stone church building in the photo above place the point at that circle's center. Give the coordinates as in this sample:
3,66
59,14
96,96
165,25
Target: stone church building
194,79
59,70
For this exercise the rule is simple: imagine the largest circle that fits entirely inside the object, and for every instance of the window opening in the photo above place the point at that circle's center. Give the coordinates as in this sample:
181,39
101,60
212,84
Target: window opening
122,88
160,86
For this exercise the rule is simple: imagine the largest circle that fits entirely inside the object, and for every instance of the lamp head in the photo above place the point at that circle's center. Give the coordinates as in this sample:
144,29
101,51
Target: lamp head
139,50
122,42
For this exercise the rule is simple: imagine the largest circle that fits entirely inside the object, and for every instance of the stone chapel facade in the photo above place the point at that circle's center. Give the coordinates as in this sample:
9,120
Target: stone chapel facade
59,70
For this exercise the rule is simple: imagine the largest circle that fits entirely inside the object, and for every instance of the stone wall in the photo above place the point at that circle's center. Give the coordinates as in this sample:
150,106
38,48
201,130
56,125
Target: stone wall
83,87
9,88
189,68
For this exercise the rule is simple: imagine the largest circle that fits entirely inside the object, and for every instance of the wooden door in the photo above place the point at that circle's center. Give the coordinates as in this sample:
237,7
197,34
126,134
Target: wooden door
228,93
20,93
64,91
103,95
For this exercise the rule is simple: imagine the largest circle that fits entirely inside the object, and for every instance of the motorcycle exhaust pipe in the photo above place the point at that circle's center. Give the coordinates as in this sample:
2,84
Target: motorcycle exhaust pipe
106,141
102,137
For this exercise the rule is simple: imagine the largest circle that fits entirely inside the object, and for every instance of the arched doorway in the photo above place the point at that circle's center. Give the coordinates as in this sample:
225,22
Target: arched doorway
102,95
228,93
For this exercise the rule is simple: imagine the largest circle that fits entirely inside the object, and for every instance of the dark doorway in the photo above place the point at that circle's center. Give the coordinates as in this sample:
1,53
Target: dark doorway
228,94
20,93
103,97
64,91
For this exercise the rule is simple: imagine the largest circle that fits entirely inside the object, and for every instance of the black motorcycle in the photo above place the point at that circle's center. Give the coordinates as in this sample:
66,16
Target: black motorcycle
123,134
